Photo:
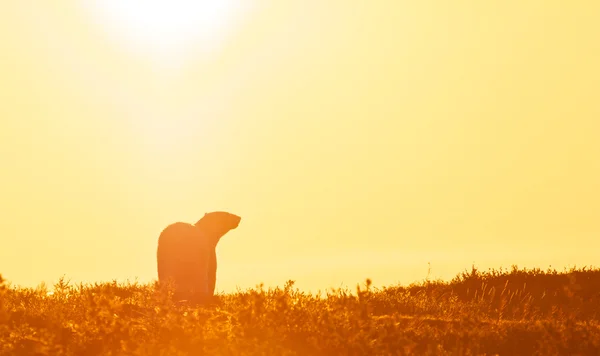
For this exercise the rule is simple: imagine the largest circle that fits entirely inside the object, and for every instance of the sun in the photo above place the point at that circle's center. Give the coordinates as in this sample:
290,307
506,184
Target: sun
167,30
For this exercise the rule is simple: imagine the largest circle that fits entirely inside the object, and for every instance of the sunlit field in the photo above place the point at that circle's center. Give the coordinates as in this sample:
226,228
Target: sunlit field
361,145
495,312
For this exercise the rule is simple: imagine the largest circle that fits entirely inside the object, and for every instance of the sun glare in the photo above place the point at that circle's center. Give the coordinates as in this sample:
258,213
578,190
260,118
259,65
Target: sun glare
167,30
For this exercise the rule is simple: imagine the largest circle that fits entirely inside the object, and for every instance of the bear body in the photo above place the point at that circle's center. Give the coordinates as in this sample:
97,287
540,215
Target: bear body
183,258
186,254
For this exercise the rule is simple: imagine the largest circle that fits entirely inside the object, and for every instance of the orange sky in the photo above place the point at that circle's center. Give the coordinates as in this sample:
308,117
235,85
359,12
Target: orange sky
356,139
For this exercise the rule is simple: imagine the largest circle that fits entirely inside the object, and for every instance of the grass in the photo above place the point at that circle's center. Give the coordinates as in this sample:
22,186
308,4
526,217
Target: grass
495,312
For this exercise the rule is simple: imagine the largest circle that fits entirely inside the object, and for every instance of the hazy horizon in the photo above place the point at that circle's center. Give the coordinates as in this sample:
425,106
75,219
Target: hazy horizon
356,140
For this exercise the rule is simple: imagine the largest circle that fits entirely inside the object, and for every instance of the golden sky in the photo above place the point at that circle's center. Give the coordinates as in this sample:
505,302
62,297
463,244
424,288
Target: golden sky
356,139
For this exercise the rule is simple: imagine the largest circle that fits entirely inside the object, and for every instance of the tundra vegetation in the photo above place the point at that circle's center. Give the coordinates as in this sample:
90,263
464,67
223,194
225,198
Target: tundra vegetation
494,312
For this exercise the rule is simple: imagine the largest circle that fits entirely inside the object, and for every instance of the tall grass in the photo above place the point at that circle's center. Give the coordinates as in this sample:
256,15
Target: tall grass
506,312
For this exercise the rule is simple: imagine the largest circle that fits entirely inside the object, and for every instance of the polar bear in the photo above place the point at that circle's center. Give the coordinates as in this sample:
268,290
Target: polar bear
186,254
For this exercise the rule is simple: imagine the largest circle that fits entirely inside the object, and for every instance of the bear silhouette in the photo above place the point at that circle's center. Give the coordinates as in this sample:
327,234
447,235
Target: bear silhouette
186,254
